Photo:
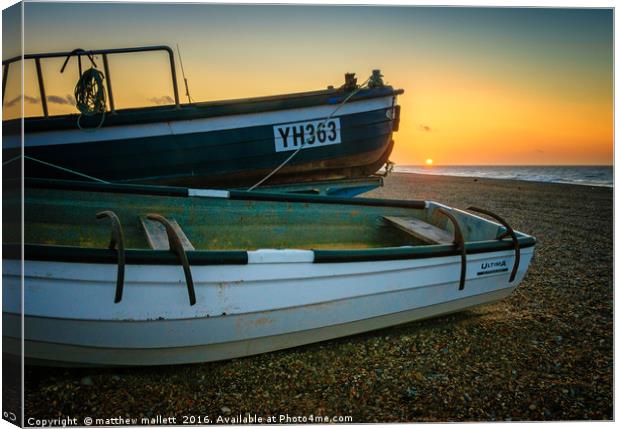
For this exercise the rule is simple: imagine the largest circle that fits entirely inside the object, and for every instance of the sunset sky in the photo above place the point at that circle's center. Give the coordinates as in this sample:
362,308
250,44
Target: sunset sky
482,85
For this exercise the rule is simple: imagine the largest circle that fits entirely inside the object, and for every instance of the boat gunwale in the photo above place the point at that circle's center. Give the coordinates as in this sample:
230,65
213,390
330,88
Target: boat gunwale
75,254
188,111
188,192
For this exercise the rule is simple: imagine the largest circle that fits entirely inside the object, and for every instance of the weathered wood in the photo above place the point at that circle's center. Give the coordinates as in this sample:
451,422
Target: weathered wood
421,230
157,237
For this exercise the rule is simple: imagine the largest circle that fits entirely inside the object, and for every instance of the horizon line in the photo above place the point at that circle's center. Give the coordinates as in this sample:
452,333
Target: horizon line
503,165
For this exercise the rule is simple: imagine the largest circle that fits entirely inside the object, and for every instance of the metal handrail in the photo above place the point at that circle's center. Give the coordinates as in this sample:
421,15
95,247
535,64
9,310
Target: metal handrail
459,242
509,232
90,53
117,241
176,247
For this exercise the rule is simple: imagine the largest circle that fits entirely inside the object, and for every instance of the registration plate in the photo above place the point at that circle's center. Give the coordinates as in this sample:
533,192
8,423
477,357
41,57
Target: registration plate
306,134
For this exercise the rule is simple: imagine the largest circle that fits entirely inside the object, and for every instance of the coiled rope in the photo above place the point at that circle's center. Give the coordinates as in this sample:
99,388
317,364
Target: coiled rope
320,127
90,95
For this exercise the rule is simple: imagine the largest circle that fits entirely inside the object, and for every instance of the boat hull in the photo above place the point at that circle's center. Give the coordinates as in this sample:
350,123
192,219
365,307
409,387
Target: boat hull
337,188
280,299
231,149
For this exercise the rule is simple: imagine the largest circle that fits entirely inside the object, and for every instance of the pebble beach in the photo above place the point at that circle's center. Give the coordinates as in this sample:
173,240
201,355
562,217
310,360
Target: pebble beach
544,353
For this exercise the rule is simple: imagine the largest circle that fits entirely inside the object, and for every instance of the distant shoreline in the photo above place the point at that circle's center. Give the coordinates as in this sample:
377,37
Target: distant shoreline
587,175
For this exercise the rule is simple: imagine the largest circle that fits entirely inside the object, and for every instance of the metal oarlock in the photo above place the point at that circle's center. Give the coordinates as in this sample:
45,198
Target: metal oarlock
509,232
117,242
460,244
177,247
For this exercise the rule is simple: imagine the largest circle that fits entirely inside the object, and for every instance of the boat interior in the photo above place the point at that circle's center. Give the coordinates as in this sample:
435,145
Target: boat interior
70,218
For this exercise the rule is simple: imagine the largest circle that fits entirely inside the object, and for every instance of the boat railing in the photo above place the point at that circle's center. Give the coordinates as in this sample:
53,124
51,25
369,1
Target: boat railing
117,243
509,232
176,246
90,53
459,242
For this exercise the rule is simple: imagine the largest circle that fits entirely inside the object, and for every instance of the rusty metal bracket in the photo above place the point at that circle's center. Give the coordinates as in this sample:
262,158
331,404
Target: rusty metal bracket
460,244
509,232
117,241
177,247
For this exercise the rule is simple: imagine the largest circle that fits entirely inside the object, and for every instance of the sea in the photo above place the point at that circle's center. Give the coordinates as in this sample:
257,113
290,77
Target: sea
574,175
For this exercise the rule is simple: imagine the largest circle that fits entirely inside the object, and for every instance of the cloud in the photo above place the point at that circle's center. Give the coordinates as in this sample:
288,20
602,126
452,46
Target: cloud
61,100
53,99
164,99
13,102
425,128
27,99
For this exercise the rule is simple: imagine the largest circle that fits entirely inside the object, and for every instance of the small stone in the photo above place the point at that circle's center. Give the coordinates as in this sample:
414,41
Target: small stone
86,381
532,407
116,378
226,411
412,392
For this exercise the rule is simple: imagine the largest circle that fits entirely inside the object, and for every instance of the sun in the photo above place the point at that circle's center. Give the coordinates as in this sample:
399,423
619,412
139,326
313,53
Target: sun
429,161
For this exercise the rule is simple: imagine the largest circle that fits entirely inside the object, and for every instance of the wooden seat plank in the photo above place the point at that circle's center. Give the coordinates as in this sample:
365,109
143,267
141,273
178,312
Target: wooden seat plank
421,230
157,237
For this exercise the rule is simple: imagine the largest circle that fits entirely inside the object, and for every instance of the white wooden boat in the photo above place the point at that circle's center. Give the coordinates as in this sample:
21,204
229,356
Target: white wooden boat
264,271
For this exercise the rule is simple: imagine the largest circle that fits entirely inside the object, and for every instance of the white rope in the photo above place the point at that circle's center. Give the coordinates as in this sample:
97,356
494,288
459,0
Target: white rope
11,160
319,127
49,164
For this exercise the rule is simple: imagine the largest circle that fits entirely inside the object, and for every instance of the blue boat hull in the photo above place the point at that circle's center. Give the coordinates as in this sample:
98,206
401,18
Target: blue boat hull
225,151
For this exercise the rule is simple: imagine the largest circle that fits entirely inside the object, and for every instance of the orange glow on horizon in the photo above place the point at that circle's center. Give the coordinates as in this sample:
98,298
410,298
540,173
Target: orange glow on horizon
476,122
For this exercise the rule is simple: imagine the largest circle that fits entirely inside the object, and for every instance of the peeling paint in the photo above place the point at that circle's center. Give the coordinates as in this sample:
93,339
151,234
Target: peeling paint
262,321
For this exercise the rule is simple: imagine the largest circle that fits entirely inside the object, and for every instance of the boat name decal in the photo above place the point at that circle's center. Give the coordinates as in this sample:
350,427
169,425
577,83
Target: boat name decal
306,134
491,267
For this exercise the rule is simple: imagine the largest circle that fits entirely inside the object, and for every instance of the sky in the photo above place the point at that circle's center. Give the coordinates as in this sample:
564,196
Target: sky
483,86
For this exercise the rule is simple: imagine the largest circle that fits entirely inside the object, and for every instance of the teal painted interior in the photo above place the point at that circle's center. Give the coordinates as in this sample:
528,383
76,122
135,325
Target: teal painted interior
67,218
63,217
